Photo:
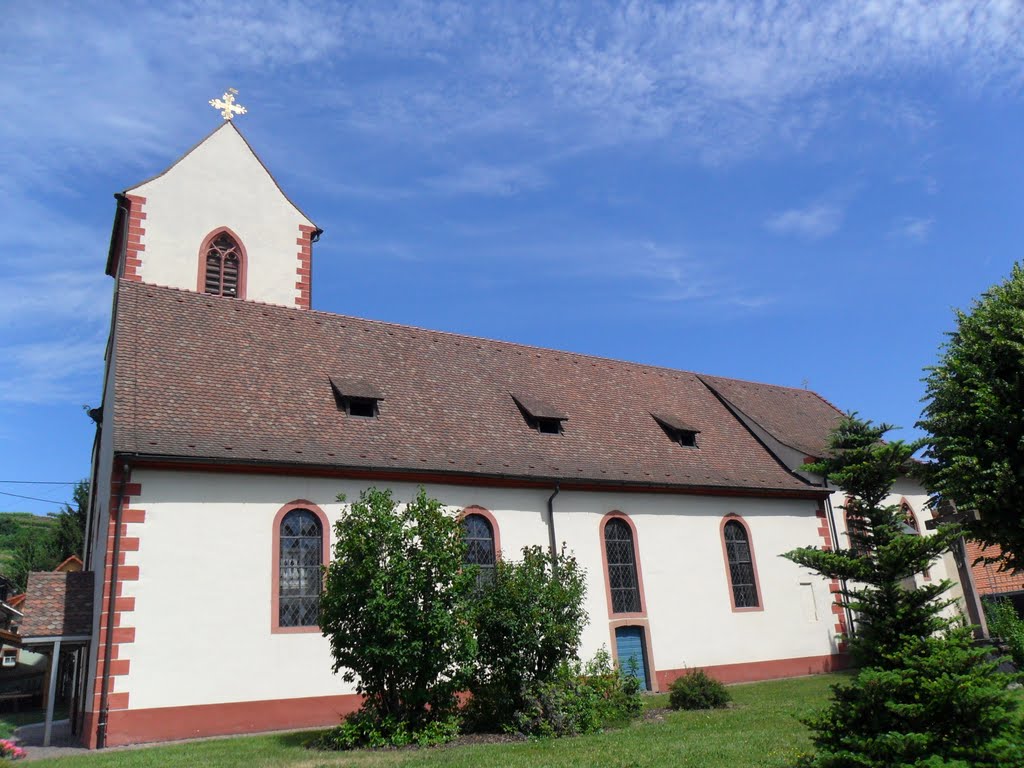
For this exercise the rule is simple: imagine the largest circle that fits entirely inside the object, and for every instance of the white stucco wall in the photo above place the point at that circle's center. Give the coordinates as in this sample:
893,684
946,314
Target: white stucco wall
203,599
221,183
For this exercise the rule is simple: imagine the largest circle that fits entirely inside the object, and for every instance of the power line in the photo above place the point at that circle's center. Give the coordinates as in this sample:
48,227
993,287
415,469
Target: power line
33,498
37,482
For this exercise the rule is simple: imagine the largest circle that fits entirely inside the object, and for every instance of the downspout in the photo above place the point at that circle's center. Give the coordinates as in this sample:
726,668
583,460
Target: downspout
551,527
93,496
101,727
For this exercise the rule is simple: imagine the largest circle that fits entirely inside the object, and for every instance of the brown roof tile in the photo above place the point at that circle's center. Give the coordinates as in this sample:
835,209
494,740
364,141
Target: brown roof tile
798,418
57,604
203,377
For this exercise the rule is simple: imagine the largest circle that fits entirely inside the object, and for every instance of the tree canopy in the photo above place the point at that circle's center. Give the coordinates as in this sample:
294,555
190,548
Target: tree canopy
974,417
38,548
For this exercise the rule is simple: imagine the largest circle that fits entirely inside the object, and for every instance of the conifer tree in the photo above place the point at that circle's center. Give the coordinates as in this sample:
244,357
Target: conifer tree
924,694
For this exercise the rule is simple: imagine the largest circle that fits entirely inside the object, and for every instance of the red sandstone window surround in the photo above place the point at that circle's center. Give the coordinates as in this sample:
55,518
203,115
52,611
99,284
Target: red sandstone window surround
622,566
222,265
480,532
741,568
910,519
301,545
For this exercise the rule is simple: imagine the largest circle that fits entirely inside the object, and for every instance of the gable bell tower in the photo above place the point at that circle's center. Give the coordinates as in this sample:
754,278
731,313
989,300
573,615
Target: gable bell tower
215,222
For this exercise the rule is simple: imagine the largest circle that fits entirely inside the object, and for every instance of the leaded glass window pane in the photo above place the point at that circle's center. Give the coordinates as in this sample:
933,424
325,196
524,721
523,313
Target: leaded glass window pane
300,561
741,566
622,577
478,534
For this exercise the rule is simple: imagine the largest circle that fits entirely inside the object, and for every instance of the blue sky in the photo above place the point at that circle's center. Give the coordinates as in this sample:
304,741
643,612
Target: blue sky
796,193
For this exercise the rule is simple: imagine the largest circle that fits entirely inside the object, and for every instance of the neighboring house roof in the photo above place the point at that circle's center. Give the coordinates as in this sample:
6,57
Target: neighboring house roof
70,565
57,605
16,601
205,378
799,418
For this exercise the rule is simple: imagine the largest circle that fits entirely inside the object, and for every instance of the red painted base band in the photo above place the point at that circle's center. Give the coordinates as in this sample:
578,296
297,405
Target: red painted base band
137,726
753,671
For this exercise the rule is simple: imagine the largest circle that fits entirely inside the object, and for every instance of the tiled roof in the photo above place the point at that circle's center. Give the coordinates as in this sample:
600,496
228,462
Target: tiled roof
210,378
798,418
57,604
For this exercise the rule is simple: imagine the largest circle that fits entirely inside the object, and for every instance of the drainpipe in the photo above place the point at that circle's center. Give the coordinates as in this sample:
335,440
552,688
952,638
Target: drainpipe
90,514
101,727
551,528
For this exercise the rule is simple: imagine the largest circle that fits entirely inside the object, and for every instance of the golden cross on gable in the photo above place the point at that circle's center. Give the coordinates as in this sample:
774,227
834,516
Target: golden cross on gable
226,105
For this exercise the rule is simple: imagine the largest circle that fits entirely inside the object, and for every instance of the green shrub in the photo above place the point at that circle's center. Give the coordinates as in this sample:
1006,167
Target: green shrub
367,729
397,610
562,706
698,690
528,622
1004,623
579,699
619,698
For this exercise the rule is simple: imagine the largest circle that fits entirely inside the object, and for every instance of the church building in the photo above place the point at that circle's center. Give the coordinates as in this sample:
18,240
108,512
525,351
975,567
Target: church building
234,413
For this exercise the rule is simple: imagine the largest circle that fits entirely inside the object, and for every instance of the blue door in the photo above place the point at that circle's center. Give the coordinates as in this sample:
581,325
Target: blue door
630,647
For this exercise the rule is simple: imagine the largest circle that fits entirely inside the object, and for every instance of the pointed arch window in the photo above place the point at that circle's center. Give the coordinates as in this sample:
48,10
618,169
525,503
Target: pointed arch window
911,526
223,265
740,556
478,533
620,552
300,579
910,519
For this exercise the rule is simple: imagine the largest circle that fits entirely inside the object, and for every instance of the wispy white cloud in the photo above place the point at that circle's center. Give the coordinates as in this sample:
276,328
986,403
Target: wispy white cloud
53,299
642,272
812,222
488,180
58,371
913,228
715,80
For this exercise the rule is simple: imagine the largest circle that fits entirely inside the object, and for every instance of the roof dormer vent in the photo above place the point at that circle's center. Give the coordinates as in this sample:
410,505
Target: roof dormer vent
540,415
356,397
678,430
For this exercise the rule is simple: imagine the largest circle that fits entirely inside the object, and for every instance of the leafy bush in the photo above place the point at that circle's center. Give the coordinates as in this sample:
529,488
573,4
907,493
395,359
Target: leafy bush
618,694
528,623
396,608
698,690
1004,623
366,728
579,699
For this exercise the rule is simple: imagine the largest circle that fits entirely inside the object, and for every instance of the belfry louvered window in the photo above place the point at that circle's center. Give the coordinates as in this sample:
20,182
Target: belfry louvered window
741,566
223,266
299,562
622,575
478,533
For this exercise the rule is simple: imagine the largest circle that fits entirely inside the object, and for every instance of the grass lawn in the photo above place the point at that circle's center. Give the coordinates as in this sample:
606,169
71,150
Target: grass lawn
760,731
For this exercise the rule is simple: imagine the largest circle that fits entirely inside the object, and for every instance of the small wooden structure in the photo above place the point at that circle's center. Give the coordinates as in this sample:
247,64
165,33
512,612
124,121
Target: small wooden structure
58,612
